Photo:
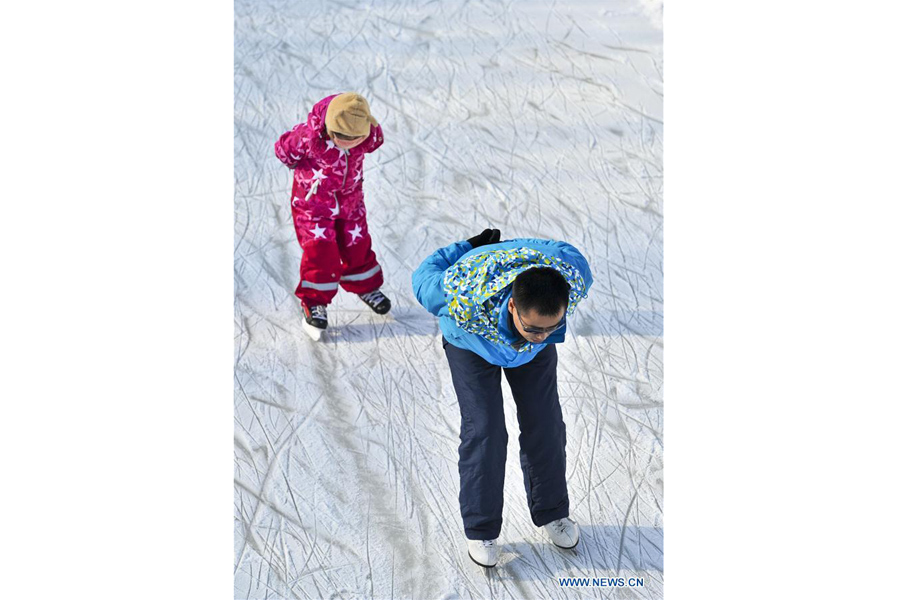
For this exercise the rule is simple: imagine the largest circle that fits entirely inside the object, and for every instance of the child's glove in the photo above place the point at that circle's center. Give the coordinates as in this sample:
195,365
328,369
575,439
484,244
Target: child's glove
488,236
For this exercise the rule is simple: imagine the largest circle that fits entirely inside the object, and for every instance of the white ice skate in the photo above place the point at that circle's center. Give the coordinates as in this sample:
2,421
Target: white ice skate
563,532
484,553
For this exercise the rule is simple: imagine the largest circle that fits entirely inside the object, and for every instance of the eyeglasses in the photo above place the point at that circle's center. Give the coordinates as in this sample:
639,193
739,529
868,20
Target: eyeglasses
530,329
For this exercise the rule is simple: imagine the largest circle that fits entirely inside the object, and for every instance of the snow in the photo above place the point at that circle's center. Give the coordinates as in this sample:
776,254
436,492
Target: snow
540,119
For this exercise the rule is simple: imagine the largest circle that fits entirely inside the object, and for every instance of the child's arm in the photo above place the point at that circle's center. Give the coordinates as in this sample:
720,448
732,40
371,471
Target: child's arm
428,279
374,141
292,147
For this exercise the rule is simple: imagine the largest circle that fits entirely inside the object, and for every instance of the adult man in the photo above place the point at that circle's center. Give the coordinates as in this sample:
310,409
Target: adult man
503,306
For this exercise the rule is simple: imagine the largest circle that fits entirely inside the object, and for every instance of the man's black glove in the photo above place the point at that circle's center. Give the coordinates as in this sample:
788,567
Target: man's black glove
488,236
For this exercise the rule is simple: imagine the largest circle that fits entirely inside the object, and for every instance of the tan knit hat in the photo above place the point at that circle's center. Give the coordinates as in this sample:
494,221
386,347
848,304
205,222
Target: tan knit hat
349,114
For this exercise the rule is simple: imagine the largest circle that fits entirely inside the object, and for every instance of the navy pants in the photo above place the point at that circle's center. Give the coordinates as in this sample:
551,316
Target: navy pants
483,437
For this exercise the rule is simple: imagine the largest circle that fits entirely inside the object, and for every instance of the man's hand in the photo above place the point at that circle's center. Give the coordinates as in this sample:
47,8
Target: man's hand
488,236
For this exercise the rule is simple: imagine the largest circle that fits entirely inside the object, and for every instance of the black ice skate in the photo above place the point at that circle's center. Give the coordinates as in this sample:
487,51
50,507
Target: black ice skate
377,302
315,320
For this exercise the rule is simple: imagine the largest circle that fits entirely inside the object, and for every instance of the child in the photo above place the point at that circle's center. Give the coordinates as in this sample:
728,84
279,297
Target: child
326,153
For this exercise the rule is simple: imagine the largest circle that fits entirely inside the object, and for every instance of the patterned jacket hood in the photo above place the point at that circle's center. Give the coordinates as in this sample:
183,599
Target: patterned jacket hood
477,286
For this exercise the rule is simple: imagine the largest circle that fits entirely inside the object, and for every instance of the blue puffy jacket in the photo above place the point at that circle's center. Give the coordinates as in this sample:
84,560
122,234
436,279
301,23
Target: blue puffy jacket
428,285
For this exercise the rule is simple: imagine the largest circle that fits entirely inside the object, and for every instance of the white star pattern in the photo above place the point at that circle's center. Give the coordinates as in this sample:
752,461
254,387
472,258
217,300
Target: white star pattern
317,175
356,232
358,176
330,145
336,210
318,231
312,190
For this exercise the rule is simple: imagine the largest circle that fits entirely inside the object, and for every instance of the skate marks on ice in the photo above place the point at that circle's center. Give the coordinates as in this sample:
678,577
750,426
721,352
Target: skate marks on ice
540,119
348,482
358,490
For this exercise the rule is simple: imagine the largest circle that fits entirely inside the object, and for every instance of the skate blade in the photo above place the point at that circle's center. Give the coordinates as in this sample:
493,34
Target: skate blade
479,564
314,332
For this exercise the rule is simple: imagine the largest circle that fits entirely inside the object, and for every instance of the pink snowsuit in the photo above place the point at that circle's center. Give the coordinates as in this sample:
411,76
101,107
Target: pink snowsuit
328,210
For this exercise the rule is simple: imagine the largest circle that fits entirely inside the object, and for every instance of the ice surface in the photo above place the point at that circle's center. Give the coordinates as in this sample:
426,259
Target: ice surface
541,119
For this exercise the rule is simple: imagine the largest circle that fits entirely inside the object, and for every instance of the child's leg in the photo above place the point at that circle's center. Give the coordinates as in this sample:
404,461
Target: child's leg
320,266
361,272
